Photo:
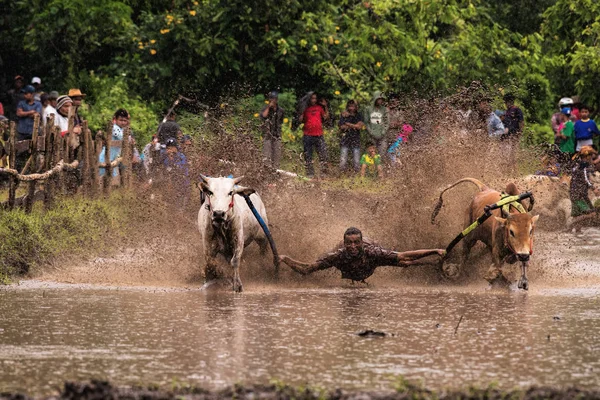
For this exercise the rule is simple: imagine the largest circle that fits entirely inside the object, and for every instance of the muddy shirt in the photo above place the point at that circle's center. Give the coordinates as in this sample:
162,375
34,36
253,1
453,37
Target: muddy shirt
580,182
358,267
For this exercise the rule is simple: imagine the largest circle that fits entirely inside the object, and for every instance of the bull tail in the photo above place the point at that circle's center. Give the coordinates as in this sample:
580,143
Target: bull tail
436,210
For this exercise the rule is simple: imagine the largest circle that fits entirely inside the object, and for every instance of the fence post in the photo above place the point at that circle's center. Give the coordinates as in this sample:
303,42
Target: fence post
108,170
34,135
49,158
12,157
49,141
126,154
94,164
85,158
57,150
33,165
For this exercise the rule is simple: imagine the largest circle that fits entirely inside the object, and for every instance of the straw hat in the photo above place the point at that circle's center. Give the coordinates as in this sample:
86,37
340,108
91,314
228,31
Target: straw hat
75,93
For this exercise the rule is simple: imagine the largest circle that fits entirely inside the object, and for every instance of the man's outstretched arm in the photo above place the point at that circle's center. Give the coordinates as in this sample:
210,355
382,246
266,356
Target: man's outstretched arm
409,257
300,267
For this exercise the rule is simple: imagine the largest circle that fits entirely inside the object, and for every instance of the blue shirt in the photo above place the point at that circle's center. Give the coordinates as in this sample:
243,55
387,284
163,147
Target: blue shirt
25,124
585,130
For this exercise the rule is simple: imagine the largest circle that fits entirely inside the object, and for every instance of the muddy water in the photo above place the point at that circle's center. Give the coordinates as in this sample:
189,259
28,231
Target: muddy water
57,333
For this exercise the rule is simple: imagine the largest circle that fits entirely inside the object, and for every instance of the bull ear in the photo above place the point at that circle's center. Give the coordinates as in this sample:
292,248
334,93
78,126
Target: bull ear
246,191
238,179
202,186
534,219
502,221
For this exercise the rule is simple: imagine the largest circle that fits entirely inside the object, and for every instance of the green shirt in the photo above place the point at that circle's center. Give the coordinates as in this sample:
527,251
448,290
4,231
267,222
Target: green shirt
371,163
568,145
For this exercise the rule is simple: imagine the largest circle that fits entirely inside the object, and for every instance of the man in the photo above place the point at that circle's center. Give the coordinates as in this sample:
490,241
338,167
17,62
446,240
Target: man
175,174
36,82
14,97
51,107
513,118
582,209
61,119
313,117
377,123
351,122
272,119
26,111
495,127
168,129
357,258
77,97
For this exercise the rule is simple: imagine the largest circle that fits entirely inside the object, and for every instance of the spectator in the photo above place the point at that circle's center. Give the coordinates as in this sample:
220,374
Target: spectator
77,97
585,128
147,153
582,208
495,127
36,82
168,129
371,163
26,111
120,122
63,105
313,117
14,97
403,137
175,173
377,122
351,122
565,138
513,118
1,109
556,120
51,107
272,119
575,114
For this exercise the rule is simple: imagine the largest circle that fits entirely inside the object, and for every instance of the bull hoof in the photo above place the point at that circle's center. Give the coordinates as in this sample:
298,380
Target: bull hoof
450,271
523,284
237,286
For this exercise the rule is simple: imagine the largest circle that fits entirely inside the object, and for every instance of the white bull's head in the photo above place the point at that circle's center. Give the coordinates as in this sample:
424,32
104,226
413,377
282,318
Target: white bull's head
220,194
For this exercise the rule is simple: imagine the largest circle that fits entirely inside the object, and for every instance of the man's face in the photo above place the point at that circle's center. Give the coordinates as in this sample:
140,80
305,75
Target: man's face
19,83
77,101
28,96
64,110
313,99
122,122
52,102
372,150
353,244
379,102
485,107
352,108
585,114
171,151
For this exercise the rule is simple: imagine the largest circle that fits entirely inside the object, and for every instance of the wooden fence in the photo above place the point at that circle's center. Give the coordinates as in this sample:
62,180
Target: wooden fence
54,161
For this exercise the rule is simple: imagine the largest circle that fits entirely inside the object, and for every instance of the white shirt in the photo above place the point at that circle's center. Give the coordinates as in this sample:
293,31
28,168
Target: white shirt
46,113
61,121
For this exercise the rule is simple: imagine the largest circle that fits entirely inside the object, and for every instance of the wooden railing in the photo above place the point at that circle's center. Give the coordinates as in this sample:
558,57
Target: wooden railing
51,156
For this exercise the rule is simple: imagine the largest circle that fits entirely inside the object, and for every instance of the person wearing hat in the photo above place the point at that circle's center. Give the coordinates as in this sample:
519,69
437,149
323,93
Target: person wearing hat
36,82
169,129
272,119
51,107
565,137
63,104
77,97
13,97
582,208
174,179
26,111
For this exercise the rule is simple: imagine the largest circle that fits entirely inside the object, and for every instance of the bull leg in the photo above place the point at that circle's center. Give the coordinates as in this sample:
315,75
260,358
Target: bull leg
494,273
523,282
210,255
235,264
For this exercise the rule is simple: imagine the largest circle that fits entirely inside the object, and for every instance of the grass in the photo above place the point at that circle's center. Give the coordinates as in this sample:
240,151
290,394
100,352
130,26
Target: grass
75,226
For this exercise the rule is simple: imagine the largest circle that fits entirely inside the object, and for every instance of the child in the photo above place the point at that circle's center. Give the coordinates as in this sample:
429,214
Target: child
565,137
403,137
585,128
371,163
581,206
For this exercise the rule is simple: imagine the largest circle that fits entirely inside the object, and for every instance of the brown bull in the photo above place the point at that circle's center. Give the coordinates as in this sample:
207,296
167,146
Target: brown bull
508,237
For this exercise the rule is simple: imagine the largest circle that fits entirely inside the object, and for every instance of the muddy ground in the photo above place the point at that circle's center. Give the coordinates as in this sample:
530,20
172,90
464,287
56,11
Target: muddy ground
104,390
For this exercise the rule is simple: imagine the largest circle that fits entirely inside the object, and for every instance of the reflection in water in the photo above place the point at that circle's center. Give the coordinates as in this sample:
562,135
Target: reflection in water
298,336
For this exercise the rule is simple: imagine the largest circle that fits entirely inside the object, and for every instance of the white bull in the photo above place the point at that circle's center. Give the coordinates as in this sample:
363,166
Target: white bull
227,224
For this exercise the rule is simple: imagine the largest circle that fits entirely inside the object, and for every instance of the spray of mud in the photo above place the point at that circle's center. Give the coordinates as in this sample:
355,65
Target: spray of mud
308,218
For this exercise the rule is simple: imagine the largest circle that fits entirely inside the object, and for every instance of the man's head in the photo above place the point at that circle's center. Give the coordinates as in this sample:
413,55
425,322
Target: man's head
485,108
28,92
584,112
379,102
273,97
353,241
313,99
351,107
186,140
171,147
76,96
121,118
36,82
63,103
509,99
44,100
19,82
52,98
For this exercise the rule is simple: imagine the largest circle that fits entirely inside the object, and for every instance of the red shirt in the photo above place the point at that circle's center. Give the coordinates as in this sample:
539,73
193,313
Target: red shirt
313,120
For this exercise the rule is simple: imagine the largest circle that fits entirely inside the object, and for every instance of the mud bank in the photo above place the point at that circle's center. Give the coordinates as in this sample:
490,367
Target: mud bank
104,390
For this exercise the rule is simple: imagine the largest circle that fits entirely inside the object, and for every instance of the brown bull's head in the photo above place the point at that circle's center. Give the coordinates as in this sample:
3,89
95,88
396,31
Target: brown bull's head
518,233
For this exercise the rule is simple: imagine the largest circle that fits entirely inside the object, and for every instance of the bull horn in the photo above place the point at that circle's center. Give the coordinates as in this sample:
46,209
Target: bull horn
204,179
238,179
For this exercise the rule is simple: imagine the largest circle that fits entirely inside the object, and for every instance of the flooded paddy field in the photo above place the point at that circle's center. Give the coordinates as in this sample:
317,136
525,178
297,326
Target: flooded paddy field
51,333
